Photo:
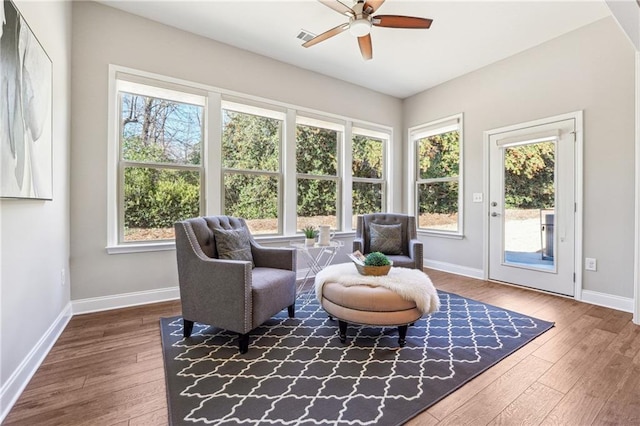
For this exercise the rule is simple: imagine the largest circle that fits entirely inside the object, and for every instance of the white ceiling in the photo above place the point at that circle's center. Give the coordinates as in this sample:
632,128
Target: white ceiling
464,36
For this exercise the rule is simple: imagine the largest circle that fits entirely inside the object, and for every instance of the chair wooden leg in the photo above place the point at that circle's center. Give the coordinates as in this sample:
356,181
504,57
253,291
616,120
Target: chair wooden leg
292,310
243,343
402,331
187,327
342,326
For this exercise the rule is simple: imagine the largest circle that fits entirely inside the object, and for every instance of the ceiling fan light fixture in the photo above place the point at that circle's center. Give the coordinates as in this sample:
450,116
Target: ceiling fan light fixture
360,27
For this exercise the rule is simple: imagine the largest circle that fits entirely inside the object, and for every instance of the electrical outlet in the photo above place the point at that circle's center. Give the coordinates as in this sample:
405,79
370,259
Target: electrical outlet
590,264
63,277
477,197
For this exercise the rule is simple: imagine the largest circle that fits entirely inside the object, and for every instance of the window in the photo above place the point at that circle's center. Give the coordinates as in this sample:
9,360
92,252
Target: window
368,177
317,153
438,183
251,145
179,149
160,163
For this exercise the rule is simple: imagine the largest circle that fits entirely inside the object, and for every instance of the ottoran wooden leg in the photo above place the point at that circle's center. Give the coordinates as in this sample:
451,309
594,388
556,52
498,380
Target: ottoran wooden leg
243,343
292,310
187,327
342,325
402,331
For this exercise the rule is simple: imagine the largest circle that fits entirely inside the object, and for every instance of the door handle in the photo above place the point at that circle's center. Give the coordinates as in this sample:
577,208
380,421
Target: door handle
494,214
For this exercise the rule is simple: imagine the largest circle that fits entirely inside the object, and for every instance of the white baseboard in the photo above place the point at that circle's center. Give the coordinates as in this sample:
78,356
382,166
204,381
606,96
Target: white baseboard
454,269
13,387
608,300
96,304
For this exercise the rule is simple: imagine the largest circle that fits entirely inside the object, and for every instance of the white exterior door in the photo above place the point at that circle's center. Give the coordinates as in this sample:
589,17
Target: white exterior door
532,205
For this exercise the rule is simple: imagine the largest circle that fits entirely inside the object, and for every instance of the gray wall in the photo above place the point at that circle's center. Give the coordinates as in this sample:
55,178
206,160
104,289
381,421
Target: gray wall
34,235
627,13
590,69
103,36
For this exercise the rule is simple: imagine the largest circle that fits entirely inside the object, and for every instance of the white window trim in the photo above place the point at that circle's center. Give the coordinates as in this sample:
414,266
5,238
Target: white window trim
215,98
260,111
115,237
443,125
340,156
386,141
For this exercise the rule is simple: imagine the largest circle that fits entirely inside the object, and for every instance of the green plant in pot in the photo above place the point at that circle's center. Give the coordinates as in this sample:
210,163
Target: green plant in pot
310,234
375,263
376,259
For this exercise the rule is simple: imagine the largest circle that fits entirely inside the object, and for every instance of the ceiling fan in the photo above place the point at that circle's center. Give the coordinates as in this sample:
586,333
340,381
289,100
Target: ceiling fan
360,22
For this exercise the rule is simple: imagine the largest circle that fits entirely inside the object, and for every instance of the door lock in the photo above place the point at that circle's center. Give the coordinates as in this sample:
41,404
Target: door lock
494,204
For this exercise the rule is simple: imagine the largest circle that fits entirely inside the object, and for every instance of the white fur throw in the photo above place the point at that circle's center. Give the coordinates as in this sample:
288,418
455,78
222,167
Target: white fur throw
410,284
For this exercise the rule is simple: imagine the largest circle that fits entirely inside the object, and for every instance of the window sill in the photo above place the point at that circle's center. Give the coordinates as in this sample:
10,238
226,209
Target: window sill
141,247
283,240
449,235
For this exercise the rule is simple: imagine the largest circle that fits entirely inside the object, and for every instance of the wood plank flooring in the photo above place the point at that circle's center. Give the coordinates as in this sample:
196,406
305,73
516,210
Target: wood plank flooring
106,369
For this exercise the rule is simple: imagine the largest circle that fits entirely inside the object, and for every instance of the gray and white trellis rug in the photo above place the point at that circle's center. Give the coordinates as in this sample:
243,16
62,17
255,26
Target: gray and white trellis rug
298,373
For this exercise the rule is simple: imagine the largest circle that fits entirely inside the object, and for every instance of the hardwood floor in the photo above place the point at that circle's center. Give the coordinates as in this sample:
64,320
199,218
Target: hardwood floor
106,369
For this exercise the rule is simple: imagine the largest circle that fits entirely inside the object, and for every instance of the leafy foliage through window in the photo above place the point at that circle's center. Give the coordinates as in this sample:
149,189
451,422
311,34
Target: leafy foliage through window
317,169
161,150
438,154
251,163
159,173
529,176
368,175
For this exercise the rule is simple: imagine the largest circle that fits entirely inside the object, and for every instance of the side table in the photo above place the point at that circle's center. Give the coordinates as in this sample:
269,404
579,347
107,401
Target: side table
317,257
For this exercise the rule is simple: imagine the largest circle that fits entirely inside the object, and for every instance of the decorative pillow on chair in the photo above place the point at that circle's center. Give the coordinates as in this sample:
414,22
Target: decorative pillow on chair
385,238
233,244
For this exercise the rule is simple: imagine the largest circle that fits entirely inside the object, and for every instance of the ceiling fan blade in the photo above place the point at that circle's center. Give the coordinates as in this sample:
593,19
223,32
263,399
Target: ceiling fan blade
395,21
338,7
365,47
325,35
372,5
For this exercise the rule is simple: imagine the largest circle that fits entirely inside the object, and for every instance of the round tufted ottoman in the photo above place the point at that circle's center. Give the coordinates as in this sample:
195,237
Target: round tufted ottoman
368,305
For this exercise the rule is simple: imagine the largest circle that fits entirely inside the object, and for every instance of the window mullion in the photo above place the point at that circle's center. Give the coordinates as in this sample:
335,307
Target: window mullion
213,155
290,182
347,173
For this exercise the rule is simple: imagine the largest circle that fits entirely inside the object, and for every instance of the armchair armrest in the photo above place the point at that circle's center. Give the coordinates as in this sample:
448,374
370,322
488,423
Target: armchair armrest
416,253
274,257
358,244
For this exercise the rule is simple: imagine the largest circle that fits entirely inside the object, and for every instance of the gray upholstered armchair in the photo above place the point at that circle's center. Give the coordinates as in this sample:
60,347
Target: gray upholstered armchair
392,234
218,289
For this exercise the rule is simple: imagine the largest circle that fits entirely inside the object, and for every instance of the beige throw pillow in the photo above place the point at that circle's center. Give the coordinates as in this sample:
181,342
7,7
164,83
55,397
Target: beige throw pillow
386,239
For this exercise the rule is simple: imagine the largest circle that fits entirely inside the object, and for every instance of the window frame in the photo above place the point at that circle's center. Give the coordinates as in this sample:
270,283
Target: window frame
417,133
303,120
266,112
124,86
385,139
212,177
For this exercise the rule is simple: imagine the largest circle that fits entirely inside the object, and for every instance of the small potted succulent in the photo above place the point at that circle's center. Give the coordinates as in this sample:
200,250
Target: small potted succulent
376,263
310,234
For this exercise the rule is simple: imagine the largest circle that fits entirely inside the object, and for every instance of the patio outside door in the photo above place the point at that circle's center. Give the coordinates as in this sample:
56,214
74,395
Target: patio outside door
532,204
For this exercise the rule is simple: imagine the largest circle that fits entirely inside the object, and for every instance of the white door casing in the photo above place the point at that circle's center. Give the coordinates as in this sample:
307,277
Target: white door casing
555,275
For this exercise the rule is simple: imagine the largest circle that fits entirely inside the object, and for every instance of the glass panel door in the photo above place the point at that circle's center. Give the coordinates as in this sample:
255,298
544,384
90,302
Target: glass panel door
529,205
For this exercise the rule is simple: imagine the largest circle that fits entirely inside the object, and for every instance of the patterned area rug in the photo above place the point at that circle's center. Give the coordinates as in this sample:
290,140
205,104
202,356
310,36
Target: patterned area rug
298,373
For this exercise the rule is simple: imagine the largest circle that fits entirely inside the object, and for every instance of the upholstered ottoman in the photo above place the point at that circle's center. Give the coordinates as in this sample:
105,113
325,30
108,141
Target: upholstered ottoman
364,304
397,299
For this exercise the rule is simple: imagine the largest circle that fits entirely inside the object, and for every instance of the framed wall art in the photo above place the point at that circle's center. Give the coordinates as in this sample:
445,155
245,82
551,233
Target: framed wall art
26,110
